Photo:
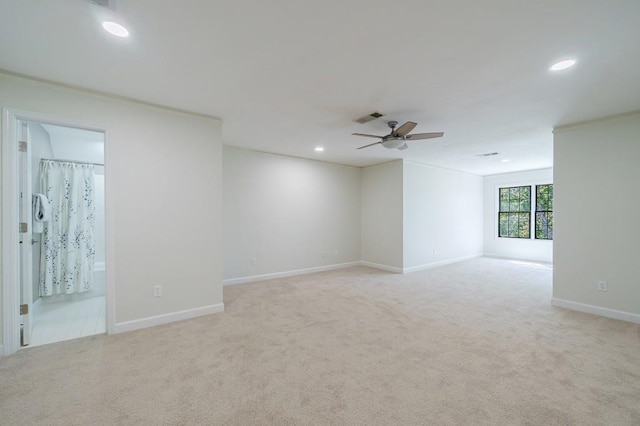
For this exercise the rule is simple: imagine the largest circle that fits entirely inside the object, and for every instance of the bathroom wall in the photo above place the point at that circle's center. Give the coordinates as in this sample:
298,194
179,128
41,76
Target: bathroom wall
100,216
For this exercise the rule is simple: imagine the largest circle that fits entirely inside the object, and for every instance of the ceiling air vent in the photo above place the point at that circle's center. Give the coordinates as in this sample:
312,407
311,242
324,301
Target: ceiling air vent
368,118
109,4
488,154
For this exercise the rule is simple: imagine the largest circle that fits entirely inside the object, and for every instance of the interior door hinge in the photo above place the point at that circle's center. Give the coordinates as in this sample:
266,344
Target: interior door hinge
23,146
24,309
24,227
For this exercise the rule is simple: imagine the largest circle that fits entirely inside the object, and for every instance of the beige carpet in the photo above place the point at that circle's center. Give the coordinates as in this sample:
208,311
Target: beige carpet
471,343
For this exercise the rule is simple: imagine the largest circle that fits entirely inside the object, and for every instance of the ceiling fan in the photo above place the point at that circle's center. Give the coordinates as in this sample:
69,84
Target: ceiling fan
398,137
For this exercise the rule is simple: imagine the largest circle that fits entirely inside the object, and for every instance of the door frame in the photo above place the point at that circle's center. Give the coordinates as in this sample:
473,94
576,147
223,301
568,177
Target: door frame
10,218
25,202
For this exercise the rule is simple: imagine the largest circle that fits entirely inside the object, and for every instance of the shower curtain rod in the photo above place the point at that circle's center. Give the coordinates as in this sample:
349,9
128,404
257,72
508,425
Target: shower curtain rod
71,161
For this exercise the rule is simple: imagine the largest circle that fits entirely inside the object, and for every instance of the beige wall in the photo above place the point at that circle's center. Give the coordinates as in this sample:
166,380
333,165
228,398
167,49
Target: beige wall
163,191
381,211
597,200
442,216
288,214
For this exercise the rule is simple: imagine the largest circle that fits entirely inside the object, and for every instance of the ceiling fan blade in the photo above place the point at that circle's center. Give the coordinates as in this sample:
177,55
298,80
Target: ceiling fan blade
405,128
418,136
371,144
366,135
405,146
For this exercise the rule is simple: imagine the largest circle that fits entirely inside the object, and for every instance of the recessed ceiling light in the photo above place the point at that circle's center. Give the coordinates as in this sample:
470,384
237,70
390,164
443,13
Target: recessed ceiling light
562,65
319,149
506,160
115,29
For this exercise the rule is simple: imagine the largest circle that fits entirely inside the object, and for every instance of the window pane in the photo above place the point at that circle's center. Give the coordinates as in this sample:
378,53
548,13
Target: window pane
504,225
550,225
544,212
544,197
525,205
513,225
514,199
540,228
504,200
544,225
523,225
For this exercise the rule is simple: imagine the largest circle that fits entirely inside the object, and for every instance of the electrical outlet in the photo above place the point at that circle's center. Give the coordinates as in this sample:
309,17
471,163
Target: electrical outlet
602,285
335,252
252,261
157,291
435,252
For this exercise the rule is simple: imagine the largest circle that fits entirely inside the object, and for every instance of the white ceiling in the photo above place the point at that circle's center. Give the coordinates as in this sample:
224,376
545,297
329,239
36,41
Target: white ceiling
288,75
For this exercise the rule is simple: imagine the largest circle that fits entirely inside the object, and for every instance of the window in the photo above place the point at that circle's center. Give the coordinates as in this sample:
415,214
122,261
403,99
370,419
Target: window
514,216
544,212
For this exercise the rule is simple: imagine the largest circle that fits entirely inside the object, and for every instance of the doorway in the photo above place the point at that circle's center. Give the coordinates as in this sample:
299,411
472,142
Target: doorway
56,265
67,307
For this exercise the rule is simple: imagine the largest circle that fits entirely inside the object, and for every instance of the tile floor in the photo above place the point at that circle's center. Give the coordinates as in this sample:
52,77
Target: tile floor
55,322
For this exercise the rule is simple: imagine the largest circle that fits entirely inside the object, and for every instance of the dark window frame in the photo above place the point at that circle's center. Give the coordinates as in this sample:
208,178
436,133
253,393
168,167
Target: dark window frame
544,211
520,213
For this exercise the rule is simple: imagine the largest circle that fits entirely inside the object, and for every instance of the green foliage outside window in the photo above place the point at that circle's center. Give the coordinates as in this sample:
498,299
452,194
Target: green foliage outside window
515,212
544,212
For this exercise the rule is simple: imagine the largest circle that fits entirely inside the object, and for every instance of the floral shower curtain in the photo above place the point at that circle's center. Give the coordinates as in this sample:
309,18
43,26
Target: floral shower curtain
68,250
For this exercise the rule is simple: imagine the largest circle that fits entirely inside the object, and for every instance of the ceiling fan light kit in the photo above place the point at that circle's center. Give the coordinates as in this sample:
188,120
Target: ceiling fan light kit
393,143
398,138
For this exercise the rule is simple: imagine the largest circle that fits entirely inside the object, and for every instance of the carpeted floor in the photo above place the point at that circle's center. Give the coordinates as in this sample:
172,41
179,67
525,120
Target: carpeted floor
471,343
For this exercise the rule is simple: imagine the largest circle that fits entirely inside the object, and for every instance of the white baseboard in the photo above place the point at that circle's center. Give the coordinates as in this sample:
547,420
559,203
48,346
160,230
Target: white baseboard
294,272
167,318
263,277
596,310
381,266
524,259
439,263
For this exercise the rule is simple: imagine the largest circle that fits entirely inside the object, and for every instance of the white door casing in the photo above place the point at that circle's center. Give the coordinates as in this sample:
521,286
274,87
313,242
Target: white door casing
26,234
10,217
10,241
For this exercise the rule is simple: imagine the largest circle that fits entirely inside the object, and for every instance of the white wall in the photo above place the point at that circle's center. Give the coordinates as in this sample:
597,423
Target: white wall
40,148
513,248
100,218
163,191
597,200
288,214
442,216
382,216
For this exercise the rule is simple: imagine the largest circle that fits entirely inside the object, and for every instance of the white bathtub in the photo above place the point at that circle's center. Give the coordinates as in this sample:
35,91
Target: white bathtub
97,291
98,279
